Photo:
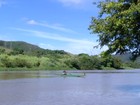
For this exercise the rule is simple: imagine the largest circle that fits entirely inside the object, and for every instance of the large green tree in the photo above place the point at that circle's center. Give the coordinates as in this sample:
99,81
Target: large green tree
118,26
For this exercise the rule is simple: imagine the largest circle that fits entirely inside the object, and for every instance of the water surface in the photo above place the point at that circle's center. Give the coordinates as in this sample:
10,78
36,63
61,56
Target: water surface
47,88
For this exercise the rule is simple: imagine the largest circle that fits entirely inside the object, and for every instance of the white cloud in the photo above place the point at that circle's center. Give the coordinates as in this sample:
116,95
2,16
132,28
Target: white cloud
77,48
46,46
51,26
74,48
52,36
71,2
72,45
87,48
32,22
2,2
79,4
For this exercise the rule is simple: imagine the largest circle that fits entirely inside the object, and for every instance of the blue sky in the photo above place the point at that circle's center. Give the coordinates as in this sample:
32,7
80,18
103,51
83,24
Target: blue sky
50,24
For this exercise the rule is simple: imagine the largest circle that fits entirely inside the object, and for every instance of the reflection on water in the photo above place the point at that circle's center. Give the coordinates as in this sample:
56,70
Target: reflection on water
26,74
130,88
44,88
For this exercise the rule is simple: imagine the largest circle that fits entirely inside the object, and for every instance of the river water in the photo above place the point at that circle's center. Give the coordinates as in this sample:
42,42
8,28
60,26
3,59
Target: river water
47,88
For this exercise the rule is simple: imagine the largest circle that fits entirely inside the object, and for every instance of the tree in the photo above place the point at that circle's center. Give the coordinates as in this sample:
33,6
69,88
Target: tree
118,26
87,62
17,51
2,50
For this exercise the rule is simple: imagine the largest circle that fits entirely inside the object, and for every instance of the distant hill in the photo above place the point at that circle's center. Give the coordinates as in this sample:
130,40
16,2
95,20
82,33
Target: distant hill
126,57
19,44
28,48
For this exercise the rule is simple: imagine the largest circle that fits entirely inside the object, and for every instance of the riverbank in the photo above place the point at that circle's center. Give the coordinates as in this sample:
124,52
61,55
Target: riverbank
74,70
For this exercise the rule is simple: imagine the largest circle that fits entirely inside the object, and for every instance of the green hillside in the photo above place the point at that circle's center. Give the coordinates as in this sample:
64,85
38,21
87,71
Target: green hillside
19,44
27,48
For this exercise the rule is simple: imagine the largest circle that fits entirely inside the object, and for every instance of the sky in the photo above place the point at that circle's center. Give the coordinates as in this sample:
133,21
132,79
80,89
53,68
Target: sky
50,24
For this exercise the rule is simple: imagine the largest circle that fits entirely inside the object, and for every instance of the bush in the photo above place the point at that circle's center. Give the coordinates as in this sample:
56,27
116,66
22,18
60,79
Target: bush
20,62
116,63
133,64
6,61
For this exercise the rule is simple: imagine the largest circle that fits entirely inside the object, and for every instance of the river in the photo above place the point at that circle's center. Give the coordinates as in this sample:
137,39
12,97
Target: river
47,88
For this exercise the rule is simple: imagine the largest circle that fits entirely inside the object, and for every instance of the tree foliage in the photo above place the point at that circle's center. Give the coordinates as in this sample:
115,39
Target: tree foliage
118,26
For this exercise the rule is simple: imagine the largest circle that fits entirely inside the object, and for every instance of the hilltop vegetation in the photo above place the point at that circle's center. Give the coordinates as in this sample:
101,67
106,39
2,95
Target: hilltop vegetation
24,56
20,47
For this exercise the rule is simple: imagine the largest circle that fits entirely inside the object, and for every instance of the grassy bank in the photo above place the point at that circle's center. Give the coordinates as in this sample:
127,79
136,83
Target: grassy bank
61,62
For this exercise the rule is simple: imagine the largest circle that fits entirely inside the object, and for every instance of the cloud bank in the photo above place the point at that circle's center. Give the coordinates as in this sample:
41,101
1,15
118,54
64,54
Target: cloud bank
71,45
51,26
